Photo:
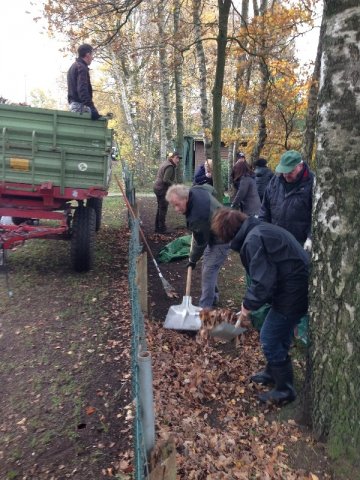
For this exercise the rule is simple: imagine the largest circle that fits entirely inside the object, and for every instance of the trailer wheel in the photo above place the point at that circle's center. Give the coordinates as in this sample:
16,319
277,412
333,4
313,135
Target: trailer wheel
96,204
18,220
83,239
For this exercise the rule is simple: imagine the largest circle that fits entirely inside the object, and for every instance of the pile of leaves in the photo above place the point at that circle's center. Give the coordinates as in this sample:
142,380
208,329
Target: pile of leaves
206,402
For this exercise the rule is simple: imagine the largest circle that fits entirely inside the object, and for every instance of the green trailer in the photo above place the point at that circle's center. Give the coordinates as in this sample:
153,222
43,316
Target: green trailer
55,165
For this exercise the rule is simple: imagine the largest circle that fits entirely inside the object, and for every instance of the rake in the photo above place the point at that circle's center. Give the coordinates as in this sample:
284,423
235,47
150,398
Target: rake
169,290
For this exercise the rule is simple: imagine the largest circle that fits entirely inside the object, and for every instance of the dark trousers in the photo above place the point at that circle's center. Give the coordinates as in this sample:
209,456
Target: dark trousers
276,335
162,208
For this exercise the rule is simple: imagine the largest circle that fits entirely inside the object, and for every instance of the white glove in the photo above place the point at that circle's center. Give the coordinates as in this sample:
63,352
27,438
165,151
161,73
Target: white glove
308,245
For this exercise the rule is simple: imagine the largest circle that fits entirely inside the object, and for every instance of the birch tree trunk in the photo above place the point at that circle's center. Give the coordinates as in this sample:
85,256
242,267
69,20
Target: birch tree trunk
335,303
200,54
124,100
224,8
166,143
179,94
310,123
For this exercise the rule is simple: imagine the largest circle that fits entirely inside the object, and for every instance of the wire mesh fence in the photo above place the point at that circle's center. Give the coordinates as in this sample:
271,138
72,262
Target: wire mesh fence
138,344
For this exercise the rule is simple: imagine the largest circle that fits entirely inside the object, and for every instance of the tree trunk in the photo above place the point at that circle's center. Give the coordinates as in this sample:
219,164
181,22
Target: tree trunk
200,54
224,8
335,303
124,100
179,95
242,79
264,91
309,133
164,83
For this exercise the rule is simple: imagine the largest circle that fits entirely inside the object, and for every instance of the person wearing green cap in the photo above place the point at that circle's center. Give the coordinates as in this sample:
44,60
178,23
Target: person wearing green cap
287,200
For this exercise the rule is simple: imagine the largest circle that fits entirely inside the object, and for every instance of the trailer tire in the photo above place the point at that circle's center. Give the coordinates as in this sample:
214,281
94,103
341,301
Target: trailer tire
96,204
83,239
18,220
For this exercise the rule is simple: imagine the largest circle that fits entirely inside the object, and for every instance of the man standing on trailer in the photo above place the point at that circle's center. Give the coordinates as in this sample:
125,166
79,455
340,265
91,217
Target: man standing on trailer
80,92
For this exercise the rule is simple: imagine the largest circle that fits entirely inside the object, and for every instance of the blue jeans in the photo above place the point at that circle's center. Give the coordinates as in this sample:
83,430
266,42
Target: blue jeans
213,259
276,335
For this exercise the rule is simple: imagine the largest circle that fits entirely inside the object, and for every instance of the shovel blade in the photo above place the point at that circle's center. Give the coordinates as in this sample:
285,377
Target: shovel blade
226,331
184,316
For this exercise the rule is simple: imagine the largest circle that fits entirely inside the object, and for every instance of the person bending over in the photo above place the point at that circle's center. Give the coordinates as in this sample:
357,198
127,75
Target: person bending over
278,268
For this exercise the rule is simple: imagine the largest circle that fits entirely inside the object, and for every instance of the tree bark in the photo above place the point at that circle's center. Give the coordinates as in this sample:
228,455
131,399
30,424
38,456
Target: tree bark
264,92
179,94
201,60
335,302
242,79
224,8
166,143
310,123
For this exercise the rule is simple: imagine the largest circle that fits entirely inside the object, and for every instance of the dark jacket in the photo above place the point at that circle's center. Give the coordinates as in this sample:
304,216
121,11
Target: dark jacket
165,177
263,176
277,265
200,176
79,85
290,209
201,206
247,197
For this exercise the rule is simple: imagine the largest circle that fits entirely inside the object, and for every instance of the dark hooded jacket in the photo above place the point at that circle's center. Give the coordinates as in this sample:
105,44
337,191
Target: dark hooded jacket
79,85
277,265
290,208
263,175
201,206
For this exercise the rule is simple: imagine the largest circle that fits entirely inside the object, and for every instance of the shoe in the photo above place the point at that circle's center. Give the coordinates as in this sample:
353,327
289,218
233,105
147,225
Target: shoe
284,391
160,230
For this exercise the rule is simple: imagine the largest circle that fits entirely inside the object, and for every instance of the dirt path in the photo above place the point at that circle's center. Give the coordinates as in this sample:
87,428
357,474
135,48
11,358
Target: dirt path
65,360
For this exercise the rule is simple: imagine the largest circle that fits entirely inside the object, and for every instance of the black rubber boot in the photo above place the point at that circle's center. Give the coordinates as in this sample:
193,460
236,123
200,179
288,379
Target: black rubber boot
264,377
284,389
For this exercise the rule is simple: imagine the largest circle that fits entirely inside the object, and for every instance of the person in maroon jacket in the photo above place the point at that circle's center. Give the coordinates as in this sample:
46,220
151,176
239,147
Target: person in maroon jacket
80,92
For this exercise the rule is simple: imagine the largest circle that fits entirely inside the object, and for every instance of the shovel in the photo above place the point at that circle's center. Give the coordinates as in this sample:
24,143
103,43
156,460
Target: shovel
227,331
184,316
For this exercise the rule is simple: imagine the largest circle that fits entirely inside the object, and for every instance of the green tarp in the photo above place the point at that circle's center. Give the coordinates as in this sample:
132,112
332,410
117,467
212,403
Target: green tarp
175,250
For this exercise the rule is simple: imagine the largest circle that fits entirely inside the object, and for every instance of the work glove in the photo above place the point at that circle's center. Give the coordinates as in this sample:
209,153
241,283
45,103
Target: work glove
95,115
308,245
191,264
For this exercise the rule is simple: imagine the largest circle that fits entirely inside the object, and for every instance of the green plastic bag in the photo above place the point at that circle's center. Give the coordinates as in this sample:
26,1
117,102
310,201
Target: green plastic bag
258,316
175,250
302,329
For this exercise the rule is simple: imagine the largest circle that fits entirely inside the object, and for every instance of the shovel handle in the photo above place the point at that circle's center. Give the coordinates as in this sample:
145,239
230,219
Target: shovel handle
188,281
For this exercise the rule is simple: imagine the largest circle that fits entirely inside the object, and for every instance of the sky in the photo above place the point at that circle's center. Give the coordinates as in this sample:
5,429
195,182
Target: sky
30,59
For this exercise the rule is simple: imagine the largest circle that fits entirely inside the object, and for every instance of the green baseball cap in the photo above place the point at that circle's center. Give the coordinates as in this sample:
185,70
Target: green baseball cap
288,161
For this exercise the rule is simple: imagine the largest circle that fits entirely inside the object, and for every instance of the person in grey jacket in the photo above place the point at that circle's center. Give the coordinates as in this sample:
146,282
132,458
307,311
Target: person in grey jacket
263,175
287,200
199,204
246,195
279,270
